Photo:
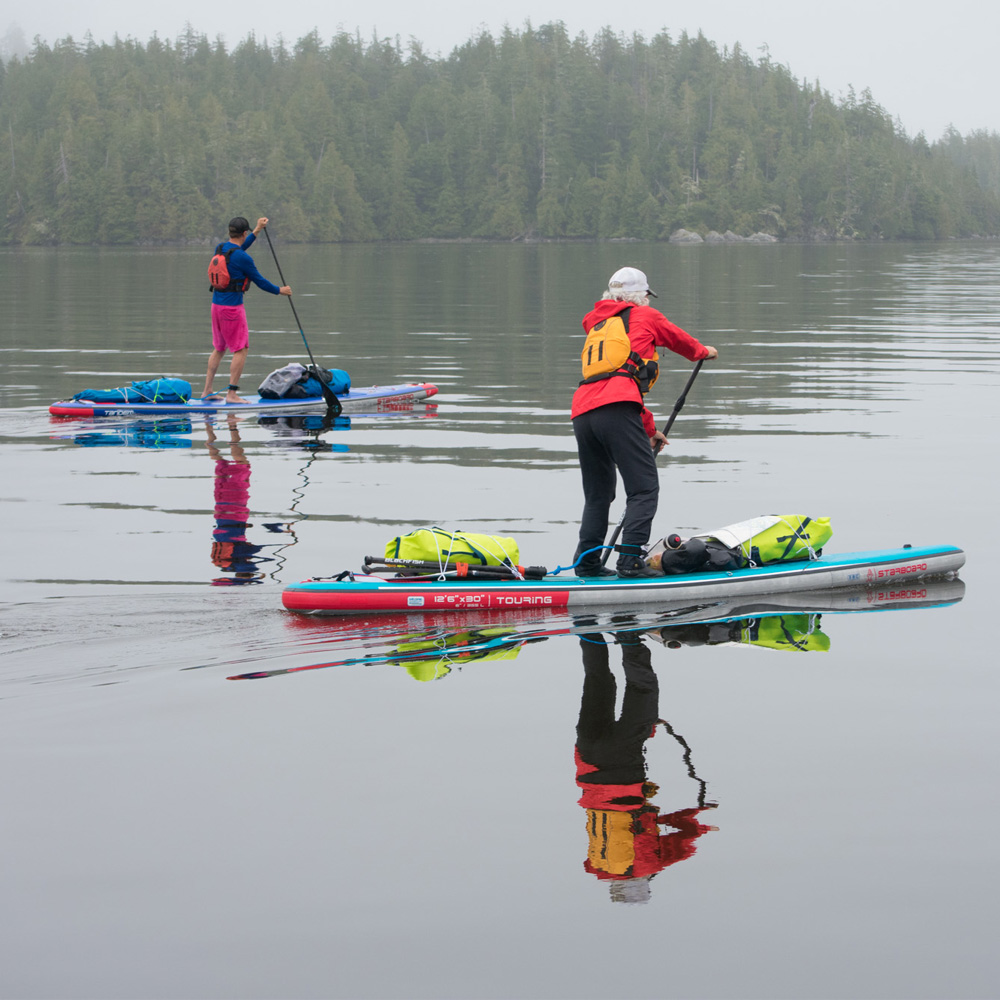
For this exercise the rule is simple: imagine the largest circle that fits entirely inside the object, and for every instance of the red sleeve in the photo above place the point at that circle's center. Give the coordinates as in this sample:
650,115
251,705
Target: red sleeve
648,422
663,333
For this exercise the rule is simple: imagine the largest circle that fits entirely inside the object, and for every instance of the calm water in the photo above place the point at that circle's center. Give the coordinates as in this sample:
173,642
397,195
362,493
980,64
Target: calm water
367,821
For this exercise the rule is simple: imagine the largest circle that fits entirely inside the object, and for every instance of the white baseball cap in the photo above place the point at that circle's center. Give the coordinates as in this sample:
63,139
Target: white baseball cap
630,279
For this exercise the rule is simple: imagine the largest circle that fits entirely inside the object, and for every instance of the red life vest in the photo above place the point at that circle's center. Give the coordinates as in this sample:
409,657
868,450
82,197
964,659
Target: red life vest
218,273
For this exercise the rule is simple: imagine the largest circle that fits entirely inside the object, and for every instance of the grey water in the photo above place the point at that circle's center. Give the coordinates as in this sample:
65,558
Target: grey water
364,821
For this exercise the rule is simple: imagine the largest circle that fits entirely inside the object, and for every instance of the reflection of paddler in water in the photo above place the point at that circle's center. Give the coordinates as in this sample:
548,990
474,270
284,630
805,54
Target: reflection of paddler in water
627,847
231,551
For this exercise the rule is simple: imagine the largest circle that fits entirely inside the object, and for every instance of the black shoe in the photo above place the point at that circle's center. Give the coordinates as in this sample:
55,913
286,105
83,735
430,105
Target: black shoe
593,569
632,567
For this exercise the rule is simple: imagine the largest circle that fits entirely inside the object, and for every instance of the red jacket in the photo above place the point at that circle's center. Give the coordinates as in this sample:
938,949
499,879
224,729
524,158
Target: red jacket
654,852
648,329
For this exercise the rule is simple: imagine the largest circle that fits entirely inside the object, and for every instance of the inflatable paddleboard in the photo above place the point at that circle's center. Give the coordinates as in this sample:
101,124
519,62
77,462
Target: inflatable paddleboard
373,398
887,570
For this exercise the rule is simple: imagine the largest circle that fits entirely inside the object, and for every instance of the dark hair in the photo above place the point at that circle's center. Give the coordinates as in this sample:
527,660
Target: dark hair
238,225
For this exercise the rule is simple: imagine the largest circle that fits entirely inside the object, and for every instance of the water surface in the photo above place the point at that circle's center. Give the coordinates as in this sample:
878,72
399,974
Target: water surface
378,823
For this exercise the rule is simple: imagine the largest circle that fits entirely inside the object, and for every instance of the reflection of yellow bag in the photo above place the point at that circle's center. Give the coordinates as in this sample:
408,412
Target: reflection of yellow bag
611,846
437,545
441,655
800,633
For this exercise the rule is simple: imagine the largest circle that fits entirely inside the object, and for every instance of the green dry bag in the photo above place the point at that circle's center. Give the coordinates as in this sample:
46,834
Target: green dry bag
775,538
437,545
796,633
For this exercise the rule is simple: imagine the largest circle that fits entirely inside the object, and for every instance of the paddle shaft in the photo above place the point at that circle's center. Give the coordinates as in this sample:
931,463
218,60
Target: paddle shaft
678,406
332,402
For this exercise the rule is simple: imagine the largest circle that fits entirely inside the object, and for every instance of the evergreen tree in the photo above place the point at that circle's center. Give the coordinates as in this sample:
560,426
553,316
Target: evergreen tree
534,131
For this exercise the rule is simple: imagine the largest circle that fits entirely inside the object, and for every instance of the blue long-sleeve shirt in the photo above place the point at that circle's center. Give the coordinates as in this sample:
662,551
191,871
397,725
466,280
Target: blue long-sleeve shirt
241,266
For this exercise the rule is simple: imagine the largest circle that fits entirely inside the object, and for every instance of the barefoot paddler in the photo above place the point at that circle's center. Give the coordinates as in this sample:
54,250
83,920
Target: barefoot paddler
230,331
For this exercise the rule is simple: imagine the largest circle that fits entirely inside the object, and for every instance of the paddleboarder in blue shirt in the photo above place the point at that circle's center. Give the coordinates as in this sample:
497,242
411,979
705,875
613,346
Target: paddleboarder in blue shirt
230,331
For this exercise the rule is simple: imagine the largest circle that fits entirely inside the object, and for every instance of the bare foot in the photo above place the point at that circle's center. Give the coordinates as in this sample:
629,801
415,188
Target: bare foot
231,397
211,397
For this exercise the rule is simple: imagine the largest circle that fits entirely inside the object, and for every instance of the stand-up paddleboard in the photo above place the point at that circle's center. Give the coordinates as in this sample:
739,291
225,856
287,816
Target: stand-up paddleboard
373,398
888,569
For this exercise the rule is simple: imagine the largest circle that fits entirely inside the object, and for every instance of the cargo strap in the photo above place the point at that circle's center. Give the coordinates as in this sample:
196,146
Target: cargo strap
444,558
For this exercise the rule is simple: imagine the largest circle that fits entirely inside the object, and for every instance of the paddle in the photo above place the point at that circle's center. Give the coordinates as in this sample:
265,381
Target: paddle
333,405
678,406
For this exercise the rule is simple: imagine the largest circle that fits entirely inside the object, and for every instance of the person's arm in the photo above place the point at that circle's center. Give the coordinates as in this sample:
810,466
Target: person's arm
671,336
249,269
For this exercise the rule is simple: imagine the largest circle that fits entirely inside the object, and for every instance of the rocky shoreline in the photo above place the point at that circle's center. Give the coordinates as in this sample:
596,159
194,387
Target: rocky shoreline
687,236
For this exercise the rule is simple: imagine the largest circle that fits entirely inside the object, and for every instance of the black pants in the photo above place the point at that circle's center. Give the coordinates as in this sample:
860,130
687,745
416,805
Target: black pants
609,438
614,747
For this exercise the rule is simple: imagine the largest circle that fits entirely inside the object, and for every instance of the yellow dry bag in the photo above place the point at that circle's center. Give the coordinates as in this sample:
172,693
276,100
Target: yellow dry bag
775,537
437,545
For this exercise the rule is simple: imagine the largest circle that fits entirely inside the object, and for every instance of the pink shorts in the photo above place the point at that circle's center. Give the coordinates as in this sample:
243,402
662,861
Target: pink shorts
232,490
229,328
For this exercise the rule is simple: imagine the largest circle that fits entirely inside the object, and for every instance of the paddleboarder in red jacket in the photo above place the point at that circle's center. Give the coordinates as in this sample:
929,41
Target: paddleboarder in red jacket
614,430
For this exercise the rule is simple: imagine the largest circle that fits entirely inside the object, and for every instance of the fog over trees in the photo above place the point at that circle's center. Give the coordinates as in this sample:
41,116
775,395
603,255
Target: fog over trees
532,134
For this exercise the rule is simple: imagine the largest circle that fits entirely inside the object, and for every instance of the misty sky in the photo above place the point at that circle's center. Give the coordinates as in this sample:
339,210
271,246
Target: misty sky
927,65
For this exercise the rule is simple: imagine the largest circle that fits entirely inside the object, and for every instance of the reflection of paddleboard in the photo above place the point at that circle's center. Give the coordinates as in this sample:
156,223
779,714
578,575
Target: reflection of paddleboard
373,398
364,628
140,432
298,425
891,572
455,638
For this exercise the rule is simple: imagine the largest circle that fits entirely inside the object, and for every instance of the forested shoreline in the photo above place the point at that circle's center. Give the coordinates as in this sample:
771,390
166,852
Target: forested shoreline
529,135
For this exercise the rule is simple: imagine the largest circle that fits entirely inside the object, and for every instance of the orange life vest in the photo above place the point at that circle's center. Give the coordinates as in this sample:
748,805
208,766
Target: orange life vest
607,352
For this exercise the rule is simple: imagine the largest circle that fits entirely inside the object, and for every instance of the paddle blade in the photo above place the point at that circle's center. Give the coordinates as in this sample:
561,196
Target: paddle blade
333,405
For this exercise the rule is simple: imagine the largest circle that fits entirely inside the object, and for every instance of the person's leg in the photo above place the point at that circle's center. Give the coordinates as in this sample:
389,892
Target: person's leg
218,347
637,465
598,473
633,455
235,371
640,702
214,360
235,336
597,703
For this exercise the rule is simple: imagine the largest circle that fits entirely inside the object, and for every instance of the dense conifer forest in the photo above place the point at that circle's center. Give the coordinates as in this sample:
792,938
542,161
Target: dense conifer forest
533,134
